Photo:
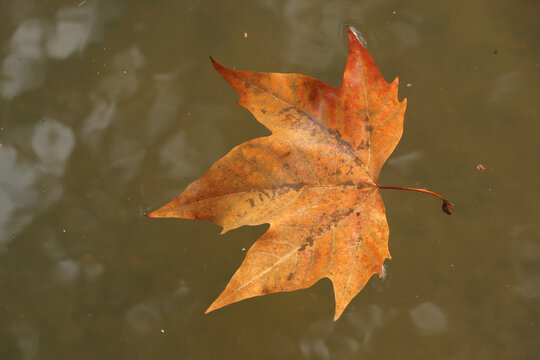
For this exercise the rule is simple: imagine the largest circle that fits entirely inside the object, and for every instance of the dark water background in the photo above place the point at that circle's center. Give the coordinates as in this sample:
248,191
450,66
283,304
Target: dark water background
111,108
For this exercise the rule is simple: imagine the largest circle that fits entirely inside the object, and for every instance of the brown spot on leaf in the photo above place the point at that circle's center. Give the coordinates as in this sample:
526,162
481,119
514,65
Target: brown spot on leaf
309,242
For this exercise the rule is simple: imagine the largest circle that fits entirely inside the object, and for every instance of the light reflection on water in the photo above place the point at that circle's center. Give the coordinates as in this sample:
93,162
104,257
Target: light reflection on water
428,318
109,109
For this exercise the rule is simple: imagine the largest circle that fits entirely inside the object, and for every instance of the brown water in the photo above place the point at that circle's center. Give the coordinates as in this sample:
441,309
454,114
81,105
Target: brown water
111,108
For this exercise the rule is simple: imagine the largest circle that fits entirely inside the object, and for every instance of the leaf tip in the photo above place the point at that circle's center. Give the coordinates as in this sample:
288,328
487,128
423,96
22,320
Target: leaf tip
338,313
214,306
354,35
168,210
217,65
150,215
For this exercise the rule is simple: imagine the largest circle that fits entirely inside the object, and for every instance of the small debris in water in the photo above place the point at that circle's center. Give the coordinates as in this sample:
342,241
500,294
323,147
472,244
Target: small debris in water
162,331
245,35
408,85
481,168
495,51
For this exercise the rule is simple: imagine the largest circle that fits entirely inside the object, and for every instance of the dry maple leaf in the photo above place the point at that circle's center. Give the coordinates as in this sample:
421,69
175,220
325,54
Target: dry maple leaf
314,180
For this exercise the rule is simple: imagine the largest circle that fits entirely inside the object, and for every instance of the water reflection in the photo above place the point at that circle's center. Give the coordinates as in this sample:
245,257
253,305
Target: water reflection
33,44
527,270
22,68
328,340
17,192
162,316
67,272
30,181
504,85
315,348
30,186
168,101
122,81
404,164
179,166
53,143
312,27
311,33
73,31
428,318
150,316
99,119
27,339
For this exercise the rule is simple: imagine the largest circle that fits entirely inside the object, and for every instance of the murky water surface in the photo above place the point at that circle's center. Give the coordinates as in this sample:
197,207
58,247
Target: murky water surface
108,109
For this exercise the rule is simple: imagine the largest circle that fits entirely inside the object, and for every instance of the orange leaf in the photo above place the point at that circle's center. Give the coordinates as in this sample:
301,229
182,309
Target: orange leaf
314,180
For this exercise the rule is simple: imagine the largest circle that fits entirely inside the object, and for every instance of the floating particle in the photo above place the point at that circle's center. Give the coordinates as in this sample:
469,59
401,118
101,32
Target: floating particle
480,167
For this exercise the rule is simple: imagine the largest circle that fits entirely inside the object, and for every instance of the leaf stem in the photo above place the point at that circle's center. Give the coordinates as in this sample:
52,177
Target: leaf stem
446,206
